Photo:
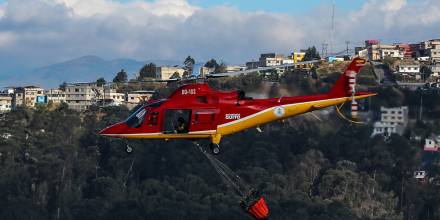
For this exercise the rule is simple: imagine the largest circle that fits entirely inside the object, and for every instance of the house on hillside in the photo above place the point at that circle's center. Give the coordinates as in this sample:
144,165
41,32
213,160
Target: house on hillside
393,121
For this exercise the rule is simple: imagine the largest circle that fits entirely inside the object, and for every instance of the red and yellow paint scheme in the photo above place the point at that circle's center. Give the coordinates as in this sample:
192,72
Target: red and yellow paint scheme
205,113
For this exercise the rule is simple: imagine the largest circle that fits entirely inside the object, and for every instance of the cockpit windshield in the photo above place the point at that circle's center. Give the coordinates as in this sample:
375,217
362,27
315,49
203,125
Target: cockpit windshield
135,120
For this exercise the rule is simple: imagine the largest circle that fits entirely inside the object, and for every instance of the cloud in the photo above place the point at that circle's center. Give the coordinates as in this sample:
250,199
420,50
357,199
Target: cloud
6,39
41,32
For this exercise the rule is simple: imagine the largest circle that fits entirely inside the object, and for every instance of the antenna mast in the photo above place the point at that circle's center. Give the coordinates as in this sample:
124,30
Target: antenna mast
332,33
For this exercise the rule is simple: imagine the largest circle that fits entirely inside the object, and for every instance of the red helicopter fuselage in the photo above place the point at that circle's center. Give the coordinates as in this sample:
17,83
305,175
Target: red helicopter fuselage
197,111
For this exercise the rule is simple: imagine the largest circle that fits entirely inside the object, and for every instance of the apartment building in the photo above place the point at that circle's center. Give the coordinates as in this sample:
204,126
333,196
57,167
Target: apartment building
408,69
5,103
393,53
273,61
55,96
166,72
80,96
136,97
27,96
112,97
434,53
393,121
205,71
435,69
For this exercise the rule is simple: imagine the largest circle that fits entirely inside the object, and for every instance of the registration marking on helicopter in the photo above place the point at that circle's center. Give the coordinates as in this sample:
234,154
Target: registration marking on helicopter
189,91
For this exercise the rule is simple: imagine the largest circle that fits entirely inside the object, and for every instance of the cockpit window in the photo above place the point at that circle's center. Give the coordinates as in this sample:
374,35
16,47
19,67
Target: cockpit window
136,119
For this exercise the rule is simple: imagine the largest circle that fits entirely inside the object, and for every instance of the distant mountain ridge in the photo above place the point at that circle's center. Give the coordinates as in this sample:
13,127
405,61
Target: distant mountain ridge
87,69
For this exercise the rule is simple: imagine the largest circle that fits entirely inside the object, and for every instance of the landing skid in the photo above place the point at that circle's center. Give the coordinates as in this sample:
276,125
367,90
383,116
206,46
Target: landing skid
215,148
128,149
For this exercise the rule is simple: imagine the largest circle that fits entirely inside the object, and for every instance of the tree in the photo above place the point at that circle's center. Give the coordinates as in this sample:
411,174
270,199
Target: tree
189,64
148,70
220,68
120,77
425,72
311,54
63,86
212,63
100,82
175,75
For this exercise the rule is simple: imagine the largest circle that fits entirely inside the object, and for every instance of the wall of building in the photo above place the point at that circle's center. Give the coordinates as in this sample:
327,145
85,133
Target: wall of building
165,72
80,96
5,103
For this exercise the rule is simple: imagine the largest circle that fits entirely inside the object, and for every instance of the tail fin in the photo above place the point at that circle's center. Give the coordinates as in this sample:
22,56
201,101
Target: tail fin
345,86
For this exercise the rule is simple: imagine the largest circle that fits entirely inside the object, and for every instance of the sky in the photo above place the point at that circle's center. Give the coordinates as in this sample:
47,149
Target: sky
35,33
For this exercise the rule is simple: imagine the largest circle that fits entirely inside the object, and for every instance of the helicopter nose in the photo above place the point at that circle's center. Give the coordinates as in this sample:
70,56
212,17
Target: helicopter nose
113,130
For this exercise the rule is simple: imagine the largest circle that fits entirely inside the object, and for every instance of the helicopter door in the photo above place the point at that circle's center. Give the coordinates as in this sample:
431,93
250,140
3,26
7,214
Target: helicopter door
204,119
176,121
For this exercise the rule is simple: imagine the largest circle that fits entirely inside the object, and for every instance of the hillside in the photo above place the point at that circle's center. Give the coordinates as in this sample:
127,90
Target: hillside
54,165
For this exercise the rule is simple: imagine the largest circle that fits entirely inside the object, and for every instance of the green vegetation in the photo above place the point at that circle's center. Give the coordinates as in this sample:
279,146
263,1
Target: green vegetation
189,65
311,54
120,77
147,71
218,68
56,166
100,82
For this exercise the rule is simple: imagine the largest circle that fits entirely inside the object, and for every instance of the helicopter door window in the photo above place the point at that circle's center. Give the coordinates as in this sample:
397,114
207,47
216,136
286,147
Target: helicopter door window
136,119
176,121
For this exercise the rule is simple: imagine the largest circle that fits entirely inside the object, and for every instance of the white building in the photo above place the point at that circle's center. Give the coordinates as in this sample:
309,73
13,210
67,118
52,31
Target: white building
206,70
136,97
420,175
394,53
432,144
393,121
27,96
409,69
166,72
55,96
112,97
434,50
80,96
271,59
5,103
235,68
435,69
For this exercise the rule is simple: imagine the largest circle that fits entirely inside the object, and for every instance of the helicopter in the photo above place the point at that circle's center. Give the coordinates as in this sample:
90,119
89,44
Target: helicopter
196,111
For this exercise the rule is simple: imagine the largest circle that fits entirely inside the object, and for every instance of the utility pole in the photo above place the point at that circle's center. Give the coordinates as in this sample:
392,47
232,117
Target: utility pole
348,44
324,51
